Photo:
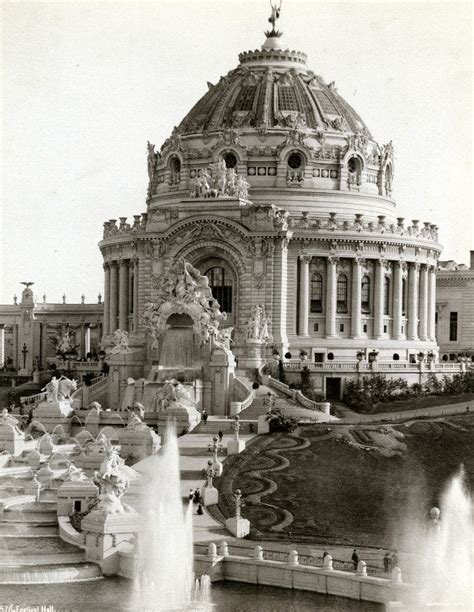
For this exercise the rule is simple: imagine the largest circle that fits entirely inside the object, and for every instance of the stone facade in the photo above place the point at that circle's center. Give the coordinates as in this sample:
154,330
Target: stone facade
30,330
455,309
315,242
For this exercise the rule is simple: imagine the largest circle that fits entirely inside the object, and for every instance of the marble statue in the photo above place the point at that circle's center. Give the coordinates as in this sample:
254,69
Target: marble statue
52,389
120,341
135,423
239,502
74,474
219,181
172,394
64,344
113,481
66,387
7,419
236,426
183,289
259,325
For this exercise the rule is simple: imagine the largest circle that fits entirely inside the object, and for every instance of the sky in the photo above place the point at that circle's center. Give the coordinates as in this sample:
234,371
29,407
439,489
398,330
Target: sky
85,85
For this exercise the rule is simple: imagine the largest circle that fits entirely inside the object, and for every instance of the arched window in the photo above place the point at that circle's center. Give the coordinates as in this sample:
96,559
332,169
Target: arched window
220,282
404,296
365,295
342,293
230,160
175,168
316,293
386,296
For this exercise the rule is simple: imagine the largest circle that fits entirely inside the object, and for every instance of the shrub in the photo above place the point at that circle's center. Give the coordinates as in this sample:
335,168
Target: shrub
280,422
363,395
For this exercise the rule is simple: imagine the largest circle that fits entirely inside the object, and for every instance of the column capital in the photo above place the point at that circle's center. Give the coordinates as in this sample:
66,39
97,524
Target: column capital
333,259
123,263
431,268
106,265
416,265
305,258
360,261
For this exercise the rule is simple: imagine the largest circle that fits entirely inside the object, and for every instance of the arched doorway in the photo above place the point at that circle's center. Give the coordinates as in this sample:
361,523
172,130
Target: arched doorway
223,283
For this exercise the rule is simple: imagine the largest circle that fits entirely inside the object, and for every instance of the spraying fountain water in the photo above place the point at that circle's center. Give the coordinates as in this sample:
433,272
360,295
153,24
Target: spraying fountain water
165,578
444,570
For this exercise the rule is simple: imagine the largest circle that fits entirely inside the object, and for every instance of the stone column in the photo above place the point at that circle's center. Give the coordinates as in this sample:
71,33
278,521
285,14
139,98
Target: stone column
106,299
280,282
397,300
423,329
82,340
331,295
123,296
304,295
113,297
356,314
413,269
2,345
431,302
135,296
378,299
16,357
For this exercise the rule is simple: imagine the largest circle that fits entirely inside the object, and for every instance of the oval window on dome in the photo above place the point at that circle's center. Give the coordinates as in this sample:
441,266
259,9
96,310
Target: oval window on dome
295,161
175,165
230,160
353,165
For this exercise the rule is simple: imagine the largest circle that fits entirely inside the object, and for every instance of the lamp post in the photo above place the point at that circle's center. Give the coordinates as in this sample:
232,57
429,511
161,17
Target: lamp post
24,352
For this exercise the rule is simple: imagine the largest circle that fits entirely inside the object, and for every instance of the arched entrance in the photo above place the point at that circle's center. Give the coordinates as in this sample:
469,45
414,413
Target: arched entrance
223,283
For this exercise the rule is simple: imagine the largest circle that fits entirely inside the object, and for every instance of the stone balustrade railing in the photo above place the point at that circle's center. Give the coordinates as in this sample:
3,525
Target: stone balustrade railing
355,366
112,229
31,400
296,395
426,231
300,572
243,396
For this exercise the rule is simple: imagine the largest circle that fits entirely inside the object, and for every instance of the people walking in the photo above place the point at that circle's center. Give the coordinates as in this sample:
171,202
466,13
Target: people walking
221,435
387,562
204,417
355,559
199,510
197,496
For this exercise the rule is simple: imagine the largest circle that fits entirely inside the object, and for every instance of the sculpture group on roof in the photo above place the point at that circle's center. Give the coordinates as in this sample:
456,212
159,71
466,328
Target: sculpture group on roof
183,289
219,181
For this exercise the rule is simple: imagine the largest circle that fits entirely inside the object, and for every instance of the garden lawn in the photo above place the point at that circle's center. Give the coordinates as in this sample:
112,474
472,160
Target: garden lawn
338,493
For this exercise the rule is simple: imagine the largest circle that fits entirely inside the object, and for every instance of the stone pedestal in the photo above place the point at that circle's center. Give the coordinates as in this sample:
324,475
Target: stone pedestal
210,496
238,527
221,371
235,408
263,425
75,495
11,440
254,355
185,417
104,535
23,372
234,447
122,367
51,414
326,407
138,443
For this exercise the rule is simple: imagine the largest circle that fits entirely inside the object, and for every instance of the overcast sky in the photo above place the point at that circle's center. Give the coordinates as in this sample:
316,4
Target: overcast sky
86,84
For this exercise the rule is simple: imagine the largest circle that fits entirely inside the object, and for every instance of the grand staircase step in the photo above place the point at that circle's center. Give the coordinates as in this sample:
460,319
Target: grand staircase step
18,530
52,573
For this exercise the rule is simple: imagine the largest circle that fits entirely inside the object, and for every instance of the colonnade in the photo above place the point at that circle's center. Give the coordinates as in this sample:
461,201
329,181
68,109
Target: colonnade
121,295
416,323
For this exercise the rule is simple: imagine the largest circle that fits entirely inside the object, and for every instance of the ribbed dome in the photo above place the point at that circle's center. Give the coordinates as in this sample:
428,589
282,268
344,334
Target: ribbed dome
272,88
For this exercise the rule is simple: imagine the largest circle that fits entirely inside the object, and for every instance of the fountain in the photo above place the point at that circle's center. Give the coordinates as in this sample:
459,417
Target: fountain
444,574
164,579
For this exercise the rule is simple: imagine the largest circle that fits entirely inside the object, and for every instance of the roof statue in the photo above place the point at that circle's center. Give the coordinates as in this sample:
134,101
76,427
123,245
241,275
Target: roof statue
273,19
27,284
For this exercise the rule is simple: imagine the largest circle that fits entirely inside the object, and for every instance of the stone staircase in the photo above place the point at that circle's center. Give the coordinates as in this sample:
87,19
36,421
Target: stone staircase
31,551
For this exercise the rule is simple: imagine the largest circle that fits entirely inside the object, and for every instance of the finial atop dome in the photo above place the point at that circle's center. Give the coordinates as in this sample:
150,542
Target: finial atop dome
273,33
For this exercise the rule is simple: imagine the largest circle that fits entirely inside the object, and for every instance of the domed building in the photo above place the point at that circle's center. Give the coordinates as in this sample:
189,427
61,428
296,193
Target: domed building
274,188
